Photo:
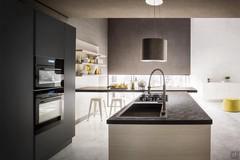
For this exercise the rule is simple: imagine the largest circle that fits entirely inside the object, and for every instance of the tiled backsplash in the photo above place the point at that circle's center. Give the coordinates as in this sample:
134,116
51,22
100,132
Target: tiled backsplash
171,80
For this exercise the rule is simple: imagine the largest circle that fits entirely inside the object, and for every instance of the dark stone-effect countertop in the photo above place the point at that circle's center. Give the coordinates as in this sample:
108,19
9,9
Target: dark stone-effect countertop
106,89
181,108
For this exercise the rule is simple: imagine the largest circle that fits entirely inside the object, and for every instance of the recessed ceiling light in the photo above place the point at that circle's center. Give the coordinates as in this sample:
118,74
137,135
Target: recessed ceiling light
154,2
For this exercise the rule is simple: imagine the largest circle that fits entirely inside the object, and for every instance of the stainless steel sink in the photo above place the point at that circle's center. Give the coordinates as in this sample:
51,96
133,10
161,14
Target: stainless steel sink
142,110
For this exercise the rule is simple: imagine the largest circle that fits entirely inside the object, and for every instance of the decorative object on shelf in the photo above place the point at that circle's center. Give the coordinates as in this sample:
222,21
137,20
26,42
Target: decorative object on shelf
84,60
97,71
141,84
88,69
119,86
227,79
99,61
135,83
132,84
79,72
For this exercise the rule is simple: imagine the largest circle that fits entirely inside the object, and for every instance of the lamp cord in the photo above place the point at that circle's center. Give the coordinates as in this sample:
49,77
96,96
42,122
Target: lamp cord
154,9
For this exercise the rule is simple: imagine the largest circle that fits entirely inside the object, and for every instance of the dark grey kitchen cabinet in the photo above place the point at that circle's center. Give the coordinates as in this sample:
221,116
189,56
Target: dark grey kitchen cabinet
18,46
49,36
56,138
17,132
69,87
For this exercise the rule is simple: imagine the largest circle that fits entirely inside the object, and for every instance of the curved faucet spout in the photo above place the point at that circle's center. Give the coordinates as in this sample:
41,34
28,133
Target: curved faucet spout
163,110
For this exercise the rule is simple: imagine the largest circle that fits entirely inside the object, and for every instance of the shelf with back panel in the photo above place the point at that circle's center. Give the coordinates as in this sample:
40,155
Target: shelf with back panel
88,59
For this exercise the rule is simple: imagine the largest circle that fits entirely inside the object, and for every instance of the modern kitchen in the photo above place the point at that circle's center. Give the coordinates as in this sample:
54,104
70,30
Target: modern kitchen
114,80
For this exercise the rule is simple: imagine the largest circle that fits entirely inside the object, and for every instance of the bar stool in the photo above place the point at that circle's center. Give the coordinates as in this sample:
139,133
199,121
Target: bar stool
116,102
94,102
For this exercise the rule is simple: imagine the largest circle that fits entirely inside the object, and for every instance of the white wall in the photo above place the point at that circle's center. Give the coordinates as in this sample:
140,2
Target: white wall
93,31
215,50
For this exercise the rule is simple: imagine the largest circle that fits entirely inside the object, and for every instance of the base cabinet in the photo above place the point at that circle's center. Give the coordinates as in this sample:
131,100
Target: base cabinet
154,142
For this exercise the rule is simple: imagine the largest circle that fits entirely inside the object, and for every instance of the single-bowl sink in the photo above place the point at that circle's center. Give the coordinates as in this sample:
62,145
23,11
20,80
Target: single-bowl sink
147,110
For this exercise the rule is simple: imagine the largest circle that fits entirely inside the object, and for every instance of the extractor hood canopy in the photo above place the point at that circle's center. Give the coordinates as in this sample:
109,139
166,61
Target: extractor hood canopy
154,50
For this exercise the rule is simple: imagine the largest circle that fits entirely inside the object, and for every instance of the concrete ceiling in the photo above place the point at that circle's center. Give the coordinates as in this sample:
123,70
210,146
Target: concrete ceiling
138,8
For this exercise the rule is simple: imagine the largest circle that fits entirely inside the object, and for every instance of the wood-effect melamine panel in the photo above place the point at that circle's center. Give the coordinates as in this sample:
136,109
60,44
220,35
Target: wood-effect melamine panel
125,45
154,142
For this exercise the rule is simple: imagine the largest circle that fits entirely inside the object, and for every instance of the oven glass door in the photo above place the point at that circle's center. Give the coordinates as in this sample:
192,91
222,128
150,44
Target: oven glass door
49,109
49,77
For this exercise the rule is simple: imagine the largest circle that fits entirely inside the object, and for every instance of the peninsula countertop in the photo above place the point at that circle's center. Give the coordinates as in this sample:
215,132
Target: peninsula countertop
158,89
181,109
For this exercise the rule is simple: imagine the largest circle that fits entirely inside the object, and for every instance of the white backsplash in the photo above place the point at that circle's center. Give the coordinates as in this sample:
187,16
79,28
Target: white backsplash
171,80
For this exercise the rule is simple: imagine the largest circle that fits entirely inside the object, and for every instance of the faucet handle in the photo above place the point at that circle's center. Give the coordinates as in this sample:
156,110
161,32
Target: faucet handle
149,89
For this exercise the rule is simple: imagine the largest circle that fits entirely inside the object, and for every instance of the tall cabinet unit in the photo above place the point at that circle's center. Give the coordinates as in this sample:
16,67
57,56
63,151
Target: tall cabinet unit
50,36
26,33
56,39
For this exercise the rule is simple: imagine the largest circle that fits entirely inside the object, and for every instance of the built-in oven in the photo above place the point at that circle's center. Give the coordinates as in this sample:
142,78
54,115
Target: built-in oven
49,72
49,108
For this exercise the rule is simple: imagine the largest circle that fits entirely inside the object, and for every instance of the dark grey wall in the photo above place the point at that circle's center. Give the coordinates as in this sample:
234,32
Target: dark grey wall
125,44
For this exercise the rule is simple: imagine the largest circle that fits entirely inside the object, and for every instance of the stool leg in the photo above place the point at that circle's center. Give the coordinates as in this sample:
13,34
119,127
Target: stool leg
115,104
94,106
100,108
89,112
105,107
121,103
111,108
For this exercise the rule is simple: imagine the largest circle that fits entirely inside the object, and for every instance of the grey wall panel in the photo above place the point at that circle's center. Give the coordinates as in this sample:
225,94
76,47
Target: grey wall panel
125,44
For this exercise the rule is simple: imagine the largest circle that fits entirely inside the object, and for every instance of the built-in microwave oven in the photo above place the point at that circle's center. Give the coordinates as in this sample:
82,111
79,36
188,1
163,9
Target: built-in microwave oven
49,107
49,72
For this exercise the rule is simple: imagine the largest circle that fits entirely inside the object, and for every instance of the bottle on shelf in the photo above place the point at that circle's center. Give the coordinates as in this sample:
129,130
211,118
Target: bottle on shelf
135,83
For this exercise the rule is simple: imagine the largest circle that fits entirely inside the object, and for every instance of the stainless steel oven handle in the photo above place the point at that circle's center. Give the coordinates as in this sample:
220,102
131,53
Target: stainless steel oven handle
51,69
50,98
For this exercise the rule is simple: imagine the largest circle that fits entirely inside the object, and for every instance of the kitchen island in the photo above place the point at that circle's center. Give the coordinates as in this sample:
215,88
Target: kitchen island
184,135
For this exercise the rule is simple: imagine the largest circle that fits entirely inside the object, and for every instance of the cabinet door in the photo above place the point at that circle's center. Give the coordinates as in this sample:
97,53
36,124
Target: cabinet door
44,149
49,36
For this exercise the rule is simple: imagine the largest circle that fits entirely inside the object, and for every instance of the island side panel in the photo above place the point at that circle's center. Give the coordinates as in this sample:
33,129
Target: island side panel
152,142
